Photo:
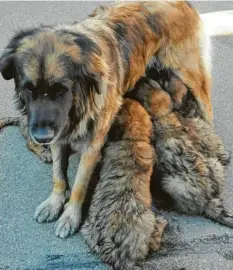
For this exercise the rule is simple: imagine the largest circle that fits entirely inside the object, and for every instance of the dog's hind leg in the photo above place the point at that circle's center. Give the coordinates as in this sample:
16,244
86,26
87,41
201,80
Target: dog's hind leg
9,121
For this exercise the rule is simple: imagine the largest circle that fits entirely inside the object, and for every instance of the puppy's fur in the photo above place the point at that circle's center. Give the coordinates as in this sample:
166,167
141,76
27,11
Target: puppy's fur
121,226
191,157
70,80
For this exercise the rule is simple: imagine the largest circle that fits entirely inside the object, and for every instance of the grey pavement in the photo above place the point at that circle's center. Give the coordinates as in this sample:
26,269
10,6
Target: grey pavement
191,243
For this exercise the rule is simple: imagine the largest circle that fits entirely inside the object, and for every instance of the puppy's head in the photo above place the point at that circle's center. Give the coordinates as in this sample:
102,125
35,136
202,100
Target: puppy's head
55,73
132,123
154,99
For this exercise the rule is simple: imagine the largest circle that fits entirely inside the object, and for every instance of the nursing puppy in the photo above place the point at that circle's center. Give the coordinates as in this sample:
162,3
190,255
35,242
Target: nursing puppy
191,157
121,226
70,79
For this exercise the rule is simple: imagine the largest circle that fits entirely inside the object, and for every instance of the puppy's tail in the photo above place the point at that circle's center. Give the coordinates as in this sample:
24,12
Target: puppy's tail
9,121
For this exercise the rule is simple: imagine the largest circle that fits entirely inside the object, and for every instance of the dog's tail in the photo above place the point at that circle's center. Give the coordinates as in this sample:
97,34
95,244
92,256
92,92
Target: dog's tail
218,23
9,121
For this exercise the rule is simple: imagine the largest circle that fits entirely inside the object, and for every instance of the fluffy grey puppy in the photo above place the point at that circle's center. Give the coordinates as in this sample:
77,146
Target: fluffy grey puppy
191,157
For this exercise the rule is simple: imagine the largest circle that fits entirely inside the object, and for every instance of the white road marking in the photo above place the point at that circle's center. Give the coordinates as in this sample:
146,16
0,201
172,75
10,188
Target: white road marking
218,23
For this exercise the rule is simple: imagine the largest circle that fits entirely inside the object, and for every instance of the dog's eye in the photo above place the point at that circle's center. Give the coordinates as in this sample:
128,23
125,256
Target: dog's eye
59,89
29,86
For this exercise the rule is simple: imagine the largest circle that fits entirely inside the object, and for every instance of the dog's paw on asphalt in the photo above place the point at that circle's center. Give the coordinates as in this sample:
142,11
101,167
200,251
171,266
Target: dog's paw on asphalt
50,209
69,221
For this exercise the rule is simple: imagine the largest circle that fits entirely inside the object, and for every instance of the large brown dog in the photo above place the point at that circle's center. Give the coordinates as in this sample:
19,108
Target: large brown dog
70,80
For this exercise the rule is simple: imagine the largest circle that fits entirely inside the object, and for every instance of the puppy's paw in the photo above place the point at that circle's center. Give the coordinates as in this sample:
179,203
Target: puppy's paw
50,209
69,221
45,154
160,225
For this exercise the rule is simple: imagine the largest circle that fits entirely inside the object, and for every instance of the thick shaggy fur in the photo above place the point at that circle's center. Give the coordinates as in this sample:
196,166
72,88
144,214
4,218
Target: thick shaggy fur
70,80
191,157
121,226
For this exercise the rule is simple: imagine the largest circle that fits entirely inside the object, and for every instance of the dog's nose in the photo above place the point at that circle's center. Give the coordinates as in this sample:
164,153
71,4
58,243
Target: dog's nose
43,135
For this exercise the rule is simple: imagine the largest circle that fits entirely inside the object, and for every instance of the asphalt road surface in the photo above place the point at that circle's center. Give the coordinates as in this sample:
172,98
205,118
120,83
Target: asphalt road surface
190,243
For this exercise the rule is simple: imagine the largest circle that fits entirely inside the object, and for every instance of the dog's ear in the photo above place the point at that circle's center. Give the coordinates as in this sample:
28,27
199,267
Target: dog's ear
93,82
7,59
98,11
93,76
7,65
91,69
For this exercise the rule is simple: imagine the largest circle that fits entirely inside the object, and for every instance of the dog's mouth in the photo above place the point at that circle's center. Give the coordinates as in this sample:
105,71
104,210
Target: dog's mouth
47,135
42,135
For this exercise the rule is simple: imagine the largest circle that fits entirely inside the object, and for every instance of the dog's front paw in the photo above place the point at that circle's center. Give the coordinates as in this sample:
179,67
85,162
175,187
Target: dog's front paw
69,221
50,209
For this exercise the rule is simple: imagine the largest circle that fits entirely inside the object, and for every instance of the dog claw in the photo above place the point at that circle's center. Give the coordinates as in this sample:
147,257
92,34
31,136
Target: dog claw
69,221
46,156
50,209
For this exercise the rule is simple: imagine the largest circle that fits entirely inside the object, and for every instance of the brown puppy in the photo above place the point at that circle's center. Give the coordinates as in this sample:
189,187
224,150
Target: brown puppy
121,226
191,157
70,80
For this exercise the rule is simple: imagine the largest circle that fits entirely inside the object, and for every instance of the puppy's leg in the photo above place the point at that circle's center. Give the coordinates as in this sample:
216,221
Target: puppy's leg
42,151
216,211
156,238
215,208
9,121
51,208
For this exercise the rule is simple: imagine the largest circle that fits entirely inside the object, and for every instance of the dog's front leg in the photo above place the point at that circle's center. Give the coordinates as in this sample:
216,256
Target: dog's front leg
49,209
70,220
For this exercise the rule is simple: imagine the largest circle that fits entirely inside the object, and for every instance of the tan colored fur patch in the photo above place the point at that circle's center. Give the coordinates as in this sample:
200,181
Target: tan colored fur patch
78,194
59,186
53,68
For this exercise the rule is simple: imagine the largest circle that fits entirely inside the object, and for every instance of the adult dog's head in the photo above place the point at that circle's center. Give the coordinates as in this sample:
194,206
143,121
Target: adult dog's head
56,72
